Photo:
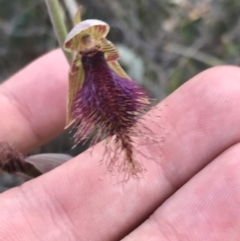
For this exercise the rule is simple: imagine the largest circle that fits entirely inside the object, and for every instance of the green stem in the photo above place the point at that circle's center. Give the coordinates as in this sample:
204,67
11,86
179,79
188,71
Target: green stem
60,29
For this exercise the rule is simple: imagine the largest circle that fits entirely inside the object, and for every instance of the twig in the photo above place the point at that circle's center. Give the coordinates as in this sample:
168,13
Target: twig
72,8
194,54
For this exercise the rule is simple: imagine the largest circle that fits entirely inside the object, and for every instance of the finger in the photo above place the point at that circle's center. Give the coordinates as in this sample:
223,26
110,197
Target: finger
206,208
33,102
75,196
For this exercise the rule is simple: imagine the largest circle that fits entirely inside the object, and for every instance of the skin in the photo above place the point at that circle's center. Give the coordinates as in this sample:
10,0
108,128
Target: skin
191,193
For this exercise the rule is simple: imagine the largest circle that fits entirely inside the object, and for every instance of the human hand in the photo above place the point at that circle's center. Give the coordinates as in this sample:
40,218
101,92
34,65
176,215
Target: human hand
191,193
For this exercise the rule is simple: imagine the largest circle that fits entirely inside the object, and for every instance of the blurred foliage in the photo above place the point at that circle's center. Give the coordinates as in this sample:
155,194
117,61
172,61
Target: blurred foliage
171,40
25,34
169,37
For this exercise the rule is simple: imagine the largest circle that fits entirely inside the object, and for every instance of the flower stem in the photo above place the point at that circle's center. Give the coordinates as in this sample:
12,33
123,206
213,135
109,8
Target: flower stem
59,26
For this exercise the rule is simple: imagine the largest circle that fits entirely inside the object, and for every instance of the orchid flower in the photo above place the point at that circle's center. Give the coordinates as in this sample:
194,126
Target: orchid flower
101,95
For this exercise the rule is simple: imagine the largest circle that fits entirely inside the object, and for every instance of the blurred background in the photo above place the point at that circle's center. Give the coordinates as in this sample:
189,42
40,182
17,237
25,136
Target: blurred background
162,43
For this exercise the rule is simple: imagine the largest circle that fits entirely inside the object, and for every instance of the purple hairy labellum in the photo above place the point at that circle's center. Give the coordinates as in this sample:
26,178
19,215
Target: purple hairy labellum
102,97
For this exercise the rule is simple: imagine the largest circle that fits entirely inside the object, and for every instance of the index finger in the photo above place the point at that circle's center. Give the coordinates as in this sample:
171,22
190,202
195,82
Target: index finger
33,102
